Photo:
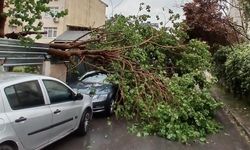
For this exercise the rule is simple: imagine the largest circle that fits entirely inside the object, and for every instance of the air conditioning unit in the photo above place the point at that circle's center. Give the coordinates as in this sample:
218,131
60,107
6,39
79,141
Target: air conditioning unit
56,20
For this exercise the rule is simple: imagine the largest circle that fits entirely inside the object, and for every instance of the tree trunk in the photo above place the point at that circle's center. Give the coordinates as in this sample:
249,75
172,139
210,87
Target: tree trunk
2,19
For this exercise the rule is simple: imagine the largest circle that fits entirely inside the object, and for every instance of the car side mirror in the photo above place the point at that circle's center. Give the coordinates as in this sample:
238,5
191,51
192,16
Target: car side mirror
78,96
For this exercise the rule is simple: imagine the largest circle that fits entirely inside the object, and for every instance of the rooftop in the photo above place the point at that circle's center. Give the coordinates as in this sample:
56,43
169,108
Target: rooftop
69,36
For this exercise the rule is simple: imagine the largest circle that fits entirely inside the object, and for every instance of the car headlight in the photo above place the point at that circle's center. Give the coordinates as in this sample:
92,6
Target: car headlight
100,98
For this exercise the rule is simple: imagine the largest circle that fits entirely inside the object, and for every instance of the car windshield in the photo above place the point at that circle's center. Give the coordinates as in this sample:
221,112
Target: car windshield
95,78
86,88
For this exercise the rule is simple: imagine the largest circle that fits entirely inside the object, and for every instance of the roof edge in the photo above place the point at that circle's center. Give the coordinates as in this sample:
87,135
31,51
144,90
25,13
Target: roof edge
103,3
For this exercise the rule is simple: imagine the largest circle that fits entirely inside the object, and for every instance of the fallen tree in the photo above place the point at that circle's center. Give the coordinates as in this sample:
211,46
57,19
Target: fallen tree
164,89
160,74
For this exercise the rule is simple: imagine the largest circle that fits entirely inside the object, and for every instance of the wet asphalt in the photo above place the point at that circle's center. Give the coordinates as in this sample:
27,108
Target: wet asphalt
112,134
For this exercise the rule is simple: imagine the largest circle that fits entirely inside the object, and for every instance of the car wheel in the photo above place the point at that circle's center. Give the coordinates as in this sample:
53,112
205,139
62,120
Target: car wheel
84,124
6,147
110,109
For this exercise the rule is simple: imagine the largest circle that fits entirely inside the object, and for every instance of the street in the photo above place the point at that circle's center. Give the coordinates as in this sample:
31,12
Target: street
112,134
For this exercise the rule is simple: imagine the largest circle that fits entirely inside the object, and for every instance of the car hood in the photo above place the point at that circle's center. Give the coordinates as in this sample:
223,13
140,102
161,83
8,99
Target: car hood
97,88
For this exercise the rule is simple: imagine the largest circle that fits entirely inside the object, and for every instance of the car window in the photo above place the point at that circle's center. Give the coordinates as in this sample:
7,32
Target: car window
58,92
24,95
95,78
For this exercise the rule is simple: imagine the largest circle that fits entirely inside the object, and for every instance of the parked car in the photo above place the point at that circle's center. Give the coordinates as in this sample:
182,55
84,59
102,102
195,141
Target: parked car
36,111
103,93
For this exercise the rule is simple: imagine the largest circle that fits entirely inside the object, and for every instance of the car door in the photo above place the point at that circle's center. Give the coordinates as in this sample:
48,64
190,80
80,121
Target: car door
30,117
65,110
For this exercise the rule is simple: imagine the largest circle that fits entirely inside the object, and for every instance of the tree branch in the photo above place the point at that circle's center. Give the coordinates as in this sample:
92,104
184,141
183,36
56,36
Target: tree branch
2,19
72,45
14,35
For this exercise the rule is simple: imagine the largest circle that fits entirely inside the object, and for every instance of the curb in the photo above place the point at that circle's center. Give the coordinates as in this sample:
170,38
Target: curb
237,121
233,117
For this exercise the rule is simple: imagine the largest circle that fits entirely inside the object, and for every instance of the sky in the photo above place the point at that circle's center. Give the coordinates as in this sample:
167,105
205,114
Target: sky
131,7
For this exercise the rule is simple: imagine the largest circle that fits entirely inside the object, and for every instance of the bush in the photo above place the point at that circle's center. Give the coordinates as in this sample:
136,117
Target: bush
189,116
195,57
233,65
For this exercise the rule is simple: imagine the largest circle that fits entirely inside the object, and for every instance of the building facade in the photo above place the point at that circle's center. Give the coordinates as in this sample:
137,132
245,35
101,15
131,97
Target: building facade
81,14
236,13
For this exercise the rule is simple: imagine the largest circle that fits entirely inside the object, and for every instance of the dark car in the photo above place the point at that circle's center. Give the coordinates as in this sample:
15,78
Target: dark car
103,93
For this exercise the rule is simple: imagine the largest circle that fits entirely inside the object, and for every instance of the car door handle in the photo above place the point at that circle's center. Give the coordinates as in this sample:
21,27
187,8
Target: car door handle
57,111
21,119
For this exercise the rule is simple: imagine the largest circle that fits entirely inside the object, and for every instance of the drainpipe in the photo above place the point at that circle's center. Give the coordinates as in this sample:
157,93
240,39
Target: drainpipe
1,65
1,69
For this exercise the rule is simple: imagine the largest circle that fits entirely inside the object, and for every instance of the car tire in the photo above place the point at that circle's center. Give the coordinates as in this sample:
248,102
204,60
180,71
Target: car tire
109,111
6,147
84,124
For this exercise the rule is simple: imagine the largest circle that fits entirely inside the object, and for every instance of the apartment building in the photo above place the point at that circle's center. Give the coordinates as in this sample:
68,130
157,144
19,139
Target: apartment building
236,13
81,13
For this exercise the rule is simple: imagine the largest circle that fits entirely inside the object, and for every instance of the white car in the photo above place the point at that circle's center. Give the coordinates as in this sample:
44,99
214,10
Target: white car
36,111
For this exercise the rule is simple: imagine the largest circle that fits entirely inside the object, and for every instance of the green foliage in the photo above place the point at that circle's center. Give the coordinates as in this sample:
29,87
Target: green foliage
32,69
28,14
195,57
27,69
234,68
163,85
189,116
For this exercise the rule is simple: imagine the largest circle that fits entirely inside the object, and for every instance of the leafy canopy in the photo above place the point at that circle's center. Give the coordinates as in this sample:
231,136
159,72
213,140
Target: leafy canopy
27,14
160,74
206,21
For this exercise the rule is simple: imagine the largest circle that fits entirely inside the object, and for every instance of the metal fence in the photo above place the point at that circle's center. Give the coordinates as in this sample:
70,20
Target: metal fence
16,54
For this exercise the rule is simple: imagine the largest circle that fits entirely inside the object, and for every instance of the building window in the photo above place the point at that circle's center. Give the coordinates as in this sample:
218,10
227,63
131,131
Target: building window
77,28
13,28
53,10
51,32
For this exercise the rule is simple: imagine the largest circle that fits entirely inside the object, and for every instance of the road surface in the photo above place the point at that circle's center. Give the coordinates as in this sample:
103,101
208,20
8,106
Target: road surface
112,134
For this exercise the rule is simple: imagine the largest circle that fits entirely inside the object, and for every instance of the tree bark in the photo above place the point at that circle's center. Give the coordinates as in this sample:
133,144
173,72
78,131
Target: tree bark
2,19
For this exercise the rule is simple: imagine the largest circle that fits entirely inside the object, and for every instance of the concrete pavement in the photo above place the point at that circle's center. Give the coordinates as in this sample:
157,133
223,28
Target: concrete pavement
112,134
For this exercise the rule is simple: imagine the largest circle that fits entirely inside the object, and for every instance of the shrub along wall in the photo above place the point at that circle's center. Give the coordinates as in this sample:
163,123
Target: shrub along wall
233,67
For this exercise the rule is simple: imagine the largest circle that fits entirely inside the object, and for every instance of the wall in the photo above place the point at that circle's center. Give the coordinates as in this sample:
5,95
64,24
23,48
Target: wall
234,12
85,13
58,71
49,22
82,13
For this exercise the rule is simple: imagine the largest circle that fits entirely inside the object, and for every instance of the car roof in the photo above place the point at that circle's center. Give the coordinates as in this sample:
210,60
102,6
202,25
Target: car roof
11,76
90,72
